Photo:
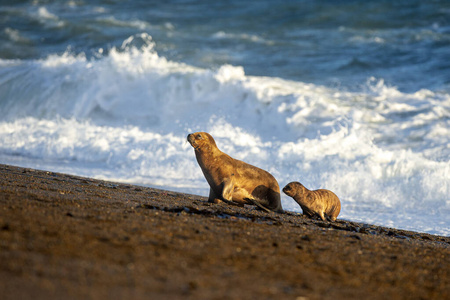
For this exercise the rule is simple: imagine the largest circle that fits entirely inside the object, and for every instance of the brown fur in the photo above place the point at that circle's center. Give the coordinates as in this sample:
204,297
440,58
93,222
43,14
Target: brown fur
234,180
318,202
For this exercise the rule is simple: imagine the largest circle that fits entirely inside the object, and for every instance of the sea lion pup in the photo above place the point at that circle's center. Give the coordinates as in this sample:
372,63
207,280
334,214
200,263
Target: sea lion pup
323,203
232,180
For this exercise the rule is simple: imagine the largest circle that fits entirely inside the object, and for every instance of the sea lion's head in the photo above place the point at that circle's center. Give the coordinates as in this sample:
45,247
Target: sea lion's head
201,141
293,188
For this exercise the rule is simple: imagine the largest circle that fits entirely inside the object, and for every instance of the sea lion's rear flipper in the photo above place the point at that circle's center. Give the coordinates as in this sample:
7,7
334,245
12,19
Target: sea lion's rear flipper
227,189
227,192
232,203
254,202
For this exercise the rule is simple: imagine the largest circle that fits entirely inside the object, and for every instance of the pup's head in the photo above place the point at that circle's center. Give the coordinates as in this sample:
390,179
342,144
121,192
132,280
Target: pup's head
293,188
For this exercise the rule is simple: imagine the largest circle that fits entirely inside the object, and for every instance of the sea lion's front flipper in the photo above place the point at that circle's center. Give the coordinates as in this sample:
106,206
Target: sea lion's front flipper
213,197
321,215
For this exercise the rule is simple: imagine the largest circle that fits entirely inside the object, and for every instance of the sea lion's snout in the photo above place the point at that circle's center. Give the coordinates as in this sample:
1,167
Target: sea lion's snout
286,189
191,139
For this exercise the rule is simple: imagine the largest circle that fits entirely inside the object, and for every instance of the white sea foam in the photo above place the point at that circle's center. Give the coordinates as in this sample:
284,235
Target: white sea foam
15,35
111,21
125,117
47,18
242,36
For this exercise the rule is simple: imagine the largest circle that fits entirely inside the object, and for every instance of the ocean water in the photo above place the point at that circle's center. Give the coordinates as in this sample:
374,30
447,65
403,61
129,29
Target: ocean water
351,96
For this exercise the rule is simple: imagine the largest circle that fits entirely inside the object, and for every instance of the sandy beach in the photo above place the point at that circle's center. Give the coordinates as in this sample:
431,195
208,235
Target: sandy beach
68,237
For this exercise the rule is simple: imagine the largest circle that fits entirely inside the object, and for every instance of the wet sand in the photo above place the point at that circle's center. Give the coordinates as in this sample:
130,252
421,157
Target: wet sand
68,237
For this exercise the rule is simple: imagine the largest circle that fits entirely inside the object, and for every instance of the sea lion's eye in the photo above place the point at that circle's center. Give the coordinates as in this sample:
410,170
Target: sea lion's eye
199,136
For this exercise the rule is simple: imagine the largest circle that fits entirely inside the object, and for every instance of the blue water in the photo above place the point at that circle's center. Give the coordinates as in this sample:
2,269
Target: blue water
353,96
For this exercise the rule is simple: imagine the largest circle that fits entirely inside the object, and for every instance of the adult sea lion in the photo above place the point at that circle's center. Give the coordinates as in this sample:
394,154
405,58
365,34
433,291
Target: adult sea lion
323,203
232,180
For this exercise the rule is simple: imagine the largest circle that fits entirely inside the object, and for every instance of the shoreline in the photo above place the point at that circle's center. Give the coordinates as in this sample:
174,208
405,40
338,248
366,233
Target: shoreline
64,236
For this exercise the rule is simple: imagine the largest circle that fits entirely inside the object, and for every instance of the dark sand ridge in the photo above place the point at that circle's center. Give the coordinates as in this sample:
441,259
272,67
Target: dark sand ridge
68,237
